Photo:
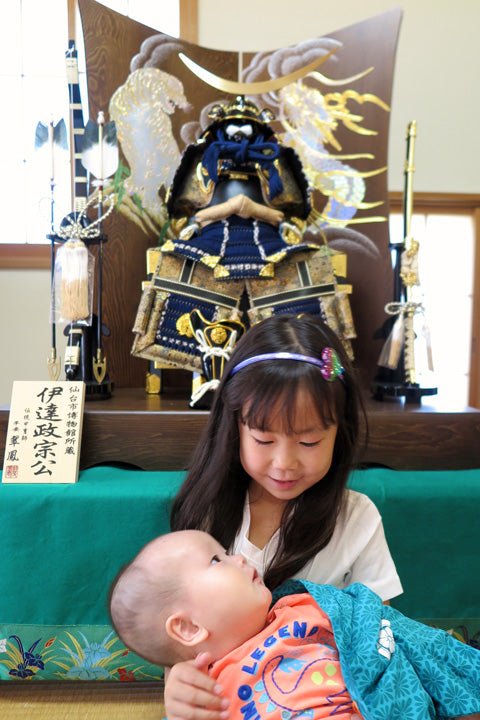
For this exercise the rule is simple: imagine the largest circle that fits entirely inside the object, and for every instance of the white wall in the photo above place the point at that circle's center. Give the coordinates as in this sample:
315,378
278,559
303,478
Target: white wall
24,328
436,79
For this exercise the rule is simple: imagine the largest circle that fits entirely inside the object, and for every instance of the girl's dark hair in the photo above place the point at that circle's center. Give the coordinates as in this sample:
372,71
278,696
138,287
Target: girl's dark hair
213,494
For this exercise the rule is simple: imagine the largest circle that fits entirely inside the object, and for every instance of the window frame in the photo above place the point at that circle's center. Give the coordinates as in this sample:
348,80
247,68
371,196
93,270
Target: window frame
450,204
33,256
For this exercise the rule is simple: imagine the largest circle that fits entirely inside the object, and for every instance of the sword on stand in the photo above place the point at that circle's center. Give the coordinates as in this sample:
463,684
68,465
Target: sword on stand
409,259
398,353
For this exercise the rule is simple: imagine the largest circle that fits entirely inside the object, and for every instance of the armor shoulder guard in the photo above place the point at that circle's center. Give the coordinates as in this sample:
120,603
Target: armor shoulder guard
179,200
291,162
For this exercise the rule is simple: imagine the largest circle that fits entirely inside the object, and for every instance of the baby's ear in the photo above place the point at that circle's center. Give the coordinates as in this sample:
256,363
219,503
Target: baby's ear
184,630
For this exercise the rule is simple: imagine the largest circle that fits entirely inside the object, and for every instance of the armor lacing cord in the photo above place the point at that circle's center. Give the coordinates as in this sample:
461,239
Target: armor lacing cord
397,308
202,390
256,240
225,239
241,153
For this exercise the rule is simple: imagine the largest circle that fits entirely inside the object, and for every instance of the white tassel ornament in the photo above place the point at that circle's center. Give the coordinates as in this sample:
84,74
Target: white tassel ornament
73,260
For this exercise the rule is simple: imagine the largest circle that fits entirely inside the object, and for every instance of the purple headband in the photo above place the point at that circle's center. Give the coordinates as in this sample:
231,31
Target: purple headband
329,363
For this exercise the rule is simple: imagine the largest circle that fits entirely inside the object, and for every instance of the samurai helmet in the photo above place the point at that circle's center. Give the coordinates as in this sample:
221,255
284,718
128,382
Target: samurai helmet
240,109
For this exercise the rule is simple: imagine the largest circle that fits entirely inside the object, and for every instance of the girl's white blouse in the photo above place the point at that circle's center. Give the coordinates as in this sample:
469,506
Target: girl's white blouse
357,552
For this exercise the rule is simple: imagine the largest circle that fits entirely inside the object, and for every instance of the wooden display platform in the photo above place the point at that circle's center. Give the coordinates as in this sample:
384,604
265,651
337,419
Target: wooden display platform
159,432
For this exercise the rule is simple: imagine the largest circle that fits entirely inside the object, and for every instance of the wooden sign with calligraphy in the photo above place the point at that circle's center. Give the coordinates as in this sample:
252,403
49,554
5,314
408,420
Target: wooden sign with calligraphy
44,432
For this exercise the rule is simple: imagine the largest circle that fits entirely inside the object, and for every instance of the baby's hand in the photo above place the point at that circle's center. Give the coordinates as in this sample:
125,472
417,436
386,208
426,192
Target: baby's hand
190,694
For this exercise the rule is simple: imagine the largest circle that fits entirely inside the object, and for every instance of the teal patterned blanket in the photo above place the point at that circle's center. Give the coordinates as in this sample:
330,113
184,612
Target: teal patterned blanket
396,668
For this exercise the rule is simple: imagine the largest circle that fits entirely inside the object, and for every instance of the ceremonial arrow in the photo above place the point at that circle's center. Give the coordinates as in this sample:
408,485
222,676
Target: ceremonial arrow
54,134
100,158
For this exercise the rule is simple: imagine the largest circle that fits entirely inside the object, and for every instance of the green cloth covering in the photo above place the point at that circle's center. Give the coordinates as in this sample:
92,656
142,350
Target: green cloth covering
62,545
432,524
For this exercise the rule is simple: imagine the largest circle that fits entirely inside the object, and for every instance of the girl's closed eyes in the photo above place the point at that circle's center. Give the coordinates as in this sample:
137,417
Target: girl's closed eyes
261,439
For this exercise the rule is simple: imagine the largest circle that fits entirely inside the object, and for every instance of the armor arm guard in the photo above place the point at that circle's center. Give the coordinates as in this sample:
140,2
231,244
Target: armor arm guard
294,200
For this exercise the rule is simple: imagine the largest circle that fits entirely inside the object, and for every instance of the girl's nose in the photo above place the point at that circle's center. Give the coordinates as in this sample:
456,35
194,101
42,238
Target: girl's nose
238,559
285,459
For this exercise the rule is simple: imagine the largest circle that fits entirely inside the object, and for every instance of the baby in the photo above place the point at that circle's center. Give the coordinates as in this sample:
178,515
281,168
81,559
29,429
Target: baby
317,652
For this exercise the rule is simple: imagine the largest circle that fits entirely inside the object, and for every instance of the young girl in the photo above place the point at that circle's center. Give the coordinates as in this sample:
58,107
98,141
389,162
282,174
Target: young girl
268,478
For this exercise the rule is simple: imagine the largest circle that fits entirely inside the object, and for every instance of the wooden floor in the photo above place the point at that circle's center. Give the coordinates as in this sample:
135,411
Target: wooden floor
81,701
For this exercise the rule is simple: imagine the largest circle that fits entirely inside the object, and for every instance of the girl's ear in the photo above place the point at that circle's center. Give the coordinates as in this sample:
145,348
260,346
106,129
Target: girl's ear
184,630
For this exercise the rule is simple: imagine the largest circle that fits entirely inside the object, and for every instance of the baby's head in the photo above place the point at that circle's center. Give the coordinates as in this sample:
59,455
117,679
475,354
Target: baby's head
182,594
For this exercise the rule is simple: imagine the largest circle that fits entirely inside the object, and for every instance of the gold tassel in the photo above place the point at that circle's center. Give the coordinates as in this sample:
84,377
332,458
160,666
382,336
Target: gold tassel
74,295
